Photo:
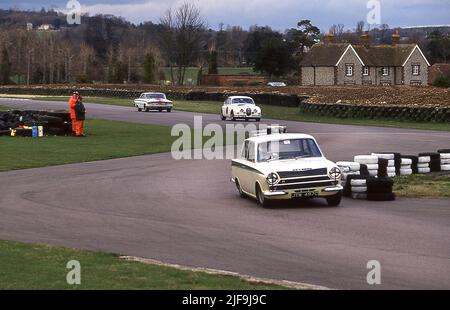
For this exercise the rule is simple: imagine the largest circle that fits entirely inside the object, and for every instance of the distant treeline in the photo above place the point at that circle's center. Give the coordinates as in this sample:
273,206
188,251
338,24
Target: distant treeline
109,49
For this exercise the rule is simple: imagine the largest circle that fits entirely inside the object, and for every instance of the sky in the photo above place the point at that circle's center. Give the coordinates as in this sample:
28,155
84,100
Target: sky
279,14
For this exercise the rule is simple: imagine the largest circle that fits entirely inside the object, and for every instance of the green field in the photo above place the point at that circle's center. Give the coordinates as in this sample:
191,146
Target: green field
105,140
269,112
25,266
422,186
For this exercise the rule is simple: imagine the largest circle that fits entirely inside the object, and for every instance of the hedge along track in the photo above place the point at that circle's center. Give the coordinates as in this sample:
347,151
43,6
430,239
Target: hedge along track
418,114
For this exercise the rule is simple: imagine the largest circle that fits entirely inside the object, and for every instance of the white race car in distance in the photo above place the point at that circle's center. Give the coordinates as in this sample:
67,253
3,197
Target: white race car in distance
153,101
240,107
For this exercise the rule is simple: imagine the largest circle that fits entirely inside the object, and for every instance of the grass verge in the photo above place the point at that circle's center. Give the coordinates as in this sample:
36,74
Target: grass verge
269,112
25,266
106,140
422,186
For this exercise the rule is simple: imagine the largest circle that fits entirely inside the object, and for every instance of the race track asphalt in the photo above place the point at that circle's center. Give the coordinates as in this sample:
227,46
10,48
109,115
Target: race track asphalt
187,212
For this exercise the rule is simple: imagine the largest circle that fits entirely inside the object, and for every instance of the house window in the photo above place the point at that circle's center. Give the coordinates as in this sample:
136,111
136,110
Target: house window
366,71
385,71
416,69
349,70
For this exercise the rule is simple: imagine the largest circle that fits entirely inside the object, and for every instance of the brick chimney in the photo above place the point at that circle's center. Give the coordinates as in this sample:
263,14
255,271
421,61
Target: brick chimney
365,39
396,38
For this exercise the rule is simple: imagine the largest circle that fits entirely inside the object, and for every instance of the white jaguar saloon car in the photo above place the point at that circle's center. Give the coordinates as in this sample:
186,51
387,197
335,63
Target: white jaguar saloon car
240,107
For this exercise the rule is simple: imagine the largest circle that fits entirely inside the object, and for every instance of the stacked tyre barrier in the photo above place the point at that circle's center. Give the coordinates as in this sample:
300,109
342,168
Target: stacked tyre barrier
434,160
414,162
358,188
380,189
21,123
371,163
349,168
406,167
387,164
423,165
445,159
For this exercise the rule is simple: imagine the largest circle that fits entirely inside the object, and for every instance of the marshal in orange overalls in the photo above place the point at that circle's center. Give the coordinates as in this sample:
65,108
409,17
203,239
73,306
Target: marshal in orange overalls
72,102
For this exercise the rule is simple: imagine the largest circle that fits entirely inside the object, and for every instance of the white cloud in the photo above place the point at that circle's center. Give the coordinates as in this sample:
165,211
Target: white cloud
282,14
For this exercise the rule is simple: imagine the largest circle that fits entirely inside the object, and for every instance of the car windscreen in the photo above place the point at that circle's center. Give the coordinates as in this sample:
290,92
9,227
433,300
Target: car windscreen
155,96
288,149
243,101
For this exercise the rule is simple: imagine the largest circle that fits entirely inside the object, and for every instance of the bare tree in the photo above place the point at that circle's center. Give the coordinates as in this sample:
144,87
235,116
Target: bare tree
181,37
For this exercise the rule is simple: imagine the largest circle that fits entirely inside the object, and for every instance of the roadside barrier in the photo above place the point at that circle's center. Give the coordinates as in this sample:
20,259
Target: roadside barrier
370,176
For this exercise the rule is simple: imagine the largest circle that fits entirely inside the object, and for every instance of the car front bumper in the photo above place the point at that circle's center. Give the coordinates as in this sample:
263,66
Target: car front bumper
288,194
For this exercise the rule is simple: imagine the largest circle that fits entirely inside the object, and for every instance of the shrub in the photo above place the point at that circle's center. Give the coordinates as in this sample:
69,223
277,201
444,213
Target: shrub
442,81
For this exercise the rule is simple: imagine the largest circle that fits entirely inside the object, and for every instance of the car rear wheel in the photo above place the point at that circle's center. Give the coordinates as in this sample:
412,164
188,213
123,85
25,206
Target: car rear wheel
335,200
169,110
139,109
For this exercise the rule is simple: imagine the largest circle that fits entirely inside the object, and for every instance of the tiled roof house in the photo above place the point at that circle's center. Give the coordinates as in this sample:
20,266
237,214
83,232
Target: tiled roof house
346,64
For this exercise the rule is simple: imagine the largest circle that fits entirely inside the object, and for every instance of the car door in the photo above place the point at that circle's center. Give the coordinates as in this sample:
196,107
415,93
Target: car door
248,173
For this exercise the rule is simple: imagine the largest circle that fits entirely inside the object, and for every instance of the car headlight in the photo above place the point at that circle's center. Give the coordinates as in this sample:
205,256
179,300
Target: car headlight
255,111
242,111
335,173
273,178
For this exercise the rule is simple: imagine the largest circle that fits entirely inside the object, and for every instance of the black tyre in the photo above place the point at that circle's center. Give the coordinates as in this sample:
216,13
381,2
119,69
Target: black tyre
381,197
262,201
335,200
379,185
169,110
139,110
238,186
257,119
223,117
232,116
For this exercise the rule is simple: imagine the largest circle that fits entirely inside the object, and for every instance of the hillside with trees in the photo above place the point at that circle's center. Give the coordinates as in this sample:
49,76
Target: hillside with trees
108,49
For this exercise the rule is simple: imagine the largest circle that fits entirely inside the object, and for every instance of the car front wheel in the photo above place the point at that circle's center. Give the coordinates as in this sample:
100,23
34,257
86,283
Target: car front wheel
239,188
262,201
335,200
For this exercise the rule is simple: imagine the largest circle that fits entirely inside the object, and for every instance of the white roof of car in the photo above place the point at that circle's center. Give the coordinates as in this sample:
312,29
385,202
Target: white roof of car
240,97
153,93
277,137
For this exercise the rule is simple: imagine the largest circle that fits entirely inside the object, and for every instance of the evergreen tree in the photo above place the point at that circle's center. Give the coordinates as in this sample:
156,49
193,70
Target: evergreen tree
149,68
213,63
5,68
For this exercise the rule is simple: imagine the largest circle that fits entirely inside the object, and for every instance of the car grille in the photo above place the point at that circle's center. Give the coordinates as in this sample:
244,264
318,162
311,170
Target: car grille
302,185
303,179
297,174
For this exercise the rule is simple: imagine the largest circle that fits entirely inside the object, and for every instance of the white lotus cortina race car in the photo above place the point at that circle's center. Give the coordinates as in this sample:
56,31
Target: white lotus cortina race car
282,166
240,107
153,101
